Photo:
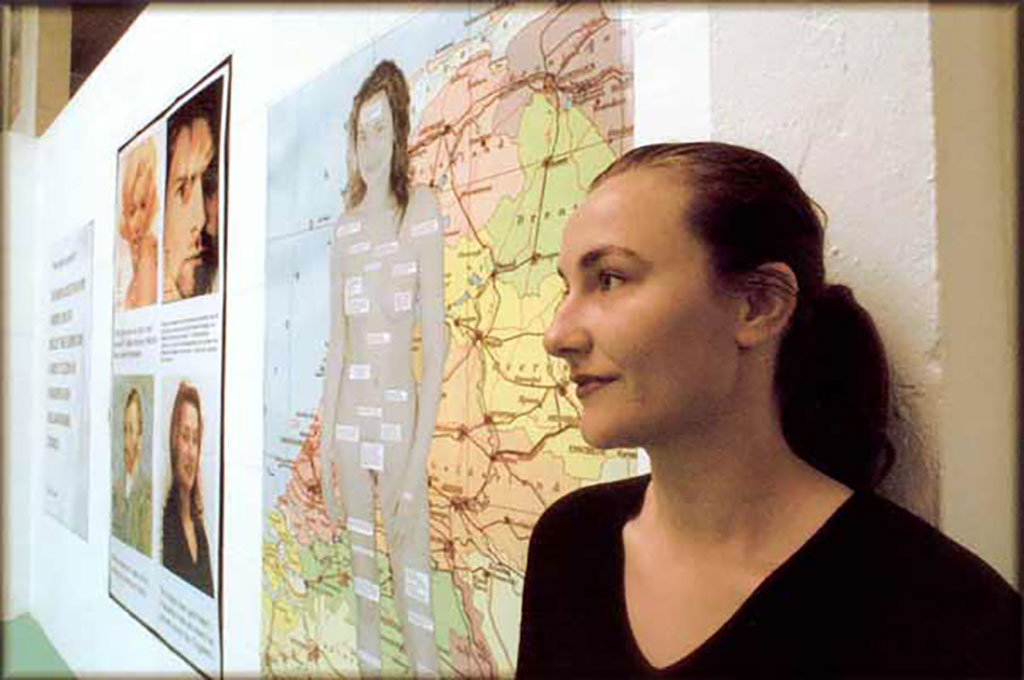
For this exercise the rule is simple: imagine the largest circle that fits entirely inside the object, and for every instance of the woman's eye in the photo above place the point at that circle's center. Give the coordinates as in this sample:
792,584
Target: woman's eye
608,280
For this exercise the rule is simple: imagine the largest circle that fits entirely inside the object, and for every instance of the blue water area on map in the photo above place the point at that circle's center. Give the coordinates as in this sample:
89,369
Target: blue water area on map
296,336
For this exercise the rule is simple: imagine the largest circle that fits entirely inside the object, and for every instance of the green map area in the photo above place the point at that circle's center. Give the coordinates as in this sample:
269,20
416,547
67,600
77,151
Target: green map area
513,123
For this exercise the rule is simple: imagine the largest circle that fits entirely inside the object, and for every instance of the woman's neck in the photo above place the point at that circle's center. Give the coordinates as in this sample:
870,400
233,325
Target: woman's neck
378,196
184,506
733,489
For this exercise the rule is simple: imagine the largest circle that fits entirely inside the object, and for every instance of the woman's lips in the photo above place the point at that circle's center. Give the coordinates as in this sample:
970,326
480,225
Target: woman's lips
588,385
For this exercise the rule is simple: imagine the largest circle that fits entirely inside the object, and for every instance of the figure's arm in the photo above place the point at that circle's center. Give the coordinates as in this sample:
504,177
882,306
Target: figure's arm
430,275
332,377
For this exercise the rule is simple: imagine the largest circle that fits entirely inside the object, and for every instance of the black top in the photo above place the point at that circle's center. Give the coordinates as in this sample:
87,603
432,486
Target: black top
875,592
176,555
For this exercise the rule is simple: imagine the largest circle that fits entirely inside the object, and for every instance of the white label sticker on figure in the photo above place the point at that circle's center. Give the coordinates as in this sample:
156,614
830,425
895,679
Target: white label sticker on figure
421,621
346,433
404,269
359,372
385,249
424,671
378,338
390,432
360,526
417,585
368,659
357,248
424,228
369,412
366,589
403,301
353,285
357,306
396,396
365,552
373,266
348,228
371,456
373,111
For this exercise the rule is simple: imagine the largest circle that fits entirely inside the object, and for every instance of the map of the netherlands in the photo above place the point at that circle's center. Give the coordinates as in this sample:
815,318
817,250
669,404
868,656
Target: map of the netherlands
513,112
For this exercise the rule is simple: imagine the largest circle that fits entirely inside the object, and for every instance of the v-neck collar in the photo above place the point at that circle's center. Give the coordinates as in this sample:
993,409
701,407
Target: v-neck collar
743,613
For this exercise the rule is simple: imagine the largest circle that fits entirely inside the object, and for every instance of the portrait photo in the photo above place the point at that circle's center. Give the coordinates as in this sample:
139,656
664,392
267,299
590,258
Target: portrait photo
191,481
138,218
131,461
191,252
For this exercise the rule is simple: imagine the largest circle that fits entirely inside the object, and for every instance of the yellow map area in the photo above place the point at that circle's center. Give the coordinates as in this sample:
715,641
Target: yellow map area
523,114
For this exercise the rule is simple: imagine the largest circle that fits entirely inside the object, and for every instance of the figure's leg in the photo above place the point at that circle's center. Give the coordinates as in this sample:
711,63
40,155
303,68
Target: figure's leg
410,565
358,490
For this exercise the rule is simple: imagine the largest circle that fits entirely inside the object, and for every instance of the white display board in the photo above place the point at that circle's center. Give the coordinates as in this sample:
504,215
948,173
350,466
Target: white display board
167,378
68,347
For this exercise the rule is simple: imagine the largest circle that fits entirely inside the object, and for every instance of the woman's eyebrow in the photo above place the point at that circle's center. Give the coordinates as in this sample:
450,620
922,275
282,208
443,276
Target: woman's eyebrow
592,257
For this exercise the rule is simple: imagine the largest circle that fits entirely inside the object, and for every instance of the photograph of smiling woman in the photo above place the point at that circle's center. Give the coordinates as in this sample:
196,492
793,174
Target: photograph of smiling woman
185,548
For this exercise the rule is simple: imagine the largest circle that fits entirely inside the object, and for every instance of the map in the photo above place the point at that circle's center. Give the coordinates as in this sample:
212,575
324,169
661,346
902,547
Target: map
514,110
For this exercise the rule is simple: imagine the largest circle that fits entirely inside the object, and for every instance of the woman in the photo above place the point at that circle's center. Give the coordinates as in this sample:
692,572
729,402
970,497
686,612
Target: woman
386,255
186,551
138,210
760,392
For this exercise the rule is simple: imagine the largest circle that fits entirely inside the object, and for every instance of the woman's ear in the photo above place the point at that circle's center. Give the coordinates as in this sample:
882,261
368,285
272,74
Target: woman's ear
768,296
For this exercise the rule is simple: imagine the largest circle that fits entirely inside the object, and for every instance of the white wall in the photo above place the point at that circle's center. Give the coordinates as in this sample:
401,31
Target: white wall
17,198
843,97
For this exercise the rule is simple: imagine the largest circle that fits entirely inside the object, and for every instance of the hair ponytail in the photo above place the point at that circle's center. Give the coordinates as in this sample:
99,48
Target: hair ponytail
831,373
833,389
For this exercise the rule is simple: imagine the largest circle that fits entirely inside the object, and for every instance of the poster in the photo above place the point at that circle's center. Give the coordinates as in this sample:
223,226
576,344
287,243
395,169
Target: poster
166,457
414,428
69,333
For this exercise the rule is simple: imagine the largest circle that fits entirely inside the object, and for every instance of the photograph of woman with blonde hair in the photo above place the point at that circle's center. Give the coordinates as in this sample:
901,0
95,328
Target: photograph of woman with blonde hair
138,209
185,549
386,274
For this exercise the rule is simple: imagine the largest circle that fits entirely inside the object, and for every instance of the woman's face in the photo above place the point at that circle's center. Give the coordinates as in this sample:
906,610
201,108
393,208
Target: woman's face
648,338
186,442
375,137
139,194
132,435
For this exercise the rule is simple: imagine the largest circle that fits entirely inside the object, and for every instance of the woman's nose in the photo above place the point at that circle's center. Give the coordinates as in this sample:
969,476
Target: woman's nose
566,336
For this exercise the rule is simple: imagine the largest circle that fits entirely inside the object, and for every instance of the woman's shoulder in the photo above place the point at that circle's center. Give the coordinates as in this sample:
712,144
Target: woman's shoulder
421,198
601,507
898,541
915,592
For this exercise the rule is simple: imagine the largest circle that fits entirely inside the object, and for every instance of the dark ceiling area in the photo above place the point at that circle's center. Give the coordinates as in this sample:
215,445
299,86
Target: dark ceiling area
95,28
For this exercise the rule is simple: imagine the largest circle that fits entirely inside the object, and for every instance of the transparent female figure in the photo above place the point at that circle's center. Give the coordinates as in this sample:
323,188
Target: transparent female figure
386,272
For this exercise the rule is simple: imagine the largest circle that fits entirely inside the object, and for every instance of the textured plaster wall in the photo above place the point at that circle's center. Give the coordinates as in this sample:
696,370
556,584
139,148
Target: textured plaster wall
843,97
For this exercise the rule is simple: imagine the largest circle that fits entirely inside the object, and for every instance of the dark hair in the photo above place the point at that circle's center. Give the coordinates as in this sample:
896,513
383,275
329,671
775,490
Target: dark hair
386,77
831,374
187,394
205,104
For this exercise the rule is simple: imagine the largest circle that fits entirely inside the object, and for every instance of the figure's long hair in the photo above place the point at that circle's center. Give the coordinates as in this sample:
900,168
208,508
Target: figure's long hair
386,77
187,394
